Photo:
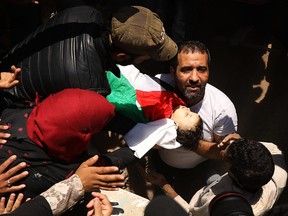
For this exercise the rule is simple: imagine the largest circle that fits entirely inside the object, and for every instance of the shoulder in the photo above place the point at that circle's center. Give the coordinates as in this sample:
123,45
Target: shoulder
212,91
218,99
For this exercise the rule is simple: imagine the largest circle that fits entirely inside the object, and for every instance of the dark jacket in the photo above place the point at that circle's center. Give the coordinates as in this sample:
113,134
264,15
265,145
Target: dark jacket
70,50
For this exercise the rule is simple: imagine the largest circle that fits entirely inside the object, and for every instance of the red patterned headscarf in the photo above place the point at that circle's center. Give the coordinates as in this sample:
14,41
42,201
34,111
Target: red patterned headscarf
64,122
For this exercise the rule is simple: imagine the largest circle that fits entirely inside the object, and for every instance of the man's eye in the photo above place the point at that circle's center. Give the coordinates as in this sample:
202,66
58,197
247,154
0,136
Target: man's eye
186,69
201,69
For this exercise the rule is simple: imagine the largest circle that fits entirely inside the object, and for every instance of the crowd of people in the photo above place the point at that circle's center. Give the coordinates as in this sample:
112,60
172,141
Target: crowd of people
74,77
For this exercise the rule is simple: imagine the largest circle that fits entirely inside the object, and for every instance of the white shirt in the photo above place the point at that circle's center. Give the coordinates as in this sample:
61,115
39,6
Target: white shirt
219,116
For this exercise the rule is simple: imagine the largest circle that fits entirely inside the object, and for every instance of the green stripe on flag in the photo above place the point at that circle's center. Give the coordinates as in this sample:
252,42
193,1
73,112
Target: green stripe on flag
123,97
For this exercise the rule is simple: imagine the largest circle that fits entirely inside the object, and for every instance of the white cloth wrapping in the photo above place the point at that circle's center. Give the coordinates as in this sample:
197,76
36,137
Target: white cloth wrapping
143,137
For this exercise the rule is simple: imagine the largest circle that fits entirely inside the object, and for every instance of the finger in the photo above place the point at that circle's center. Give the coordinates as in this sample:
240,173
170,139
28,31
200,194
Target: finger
4,127
13,83
90,212
14,170
104,199
17,72
10,202
2,205
106,169
18,177
90,204
15,188
7,163
97,207
110,180
18,201
109,188
90,162
4,136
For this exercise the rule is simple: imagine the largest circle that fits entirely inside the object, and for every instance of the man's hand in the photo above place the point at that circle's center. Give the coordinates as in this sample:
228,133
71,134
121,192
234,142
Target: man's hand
9,177
228,140
93,177
99,206
8,79
156,178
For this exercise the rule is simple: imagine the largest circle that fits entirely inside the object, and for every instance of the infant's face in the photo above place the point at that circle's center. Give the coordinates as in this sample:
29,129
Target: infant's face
185,119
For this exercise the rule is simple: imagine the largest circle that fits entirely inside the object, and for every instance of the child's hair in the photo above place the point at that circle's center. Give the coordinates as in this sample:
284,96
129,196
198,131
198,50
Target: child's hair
250,164
190,138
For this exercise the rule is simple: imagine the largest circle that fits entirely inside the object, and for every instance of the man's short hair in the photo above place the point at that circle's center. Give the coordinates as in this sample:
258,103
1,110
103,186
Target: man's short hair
191,46
250,164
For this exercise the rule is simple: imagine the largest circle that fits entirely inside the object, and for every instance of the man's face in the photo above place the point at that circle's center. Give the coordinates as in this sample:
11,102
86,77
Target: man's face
191,76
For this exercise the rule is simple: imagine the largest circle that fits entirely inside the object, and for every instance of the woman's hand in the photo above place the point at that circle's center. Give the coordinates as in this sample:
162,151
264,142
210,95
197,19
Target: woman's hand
99,206
8,177
12,203
3,135
8,79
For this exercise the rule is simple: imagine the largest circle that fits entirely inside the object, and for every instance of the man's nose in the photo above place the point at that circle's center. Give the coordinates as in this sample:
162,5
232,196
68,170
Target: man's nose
193,76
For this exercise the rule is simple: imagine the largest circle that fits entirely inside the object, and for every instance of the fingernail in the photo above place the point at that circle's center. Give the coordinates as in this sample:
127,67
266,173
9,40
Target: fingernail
7,135
23,164
3,141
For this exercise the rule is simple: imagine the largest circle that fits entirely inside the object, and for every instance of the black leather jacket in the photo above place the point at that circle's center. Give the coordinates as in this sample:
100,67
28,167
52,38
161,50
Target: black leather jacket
70,50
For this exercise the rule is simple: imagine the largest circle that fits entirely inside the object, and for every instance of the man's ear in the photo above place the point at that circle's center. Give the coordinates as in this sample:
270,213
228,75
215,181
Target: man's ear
119,57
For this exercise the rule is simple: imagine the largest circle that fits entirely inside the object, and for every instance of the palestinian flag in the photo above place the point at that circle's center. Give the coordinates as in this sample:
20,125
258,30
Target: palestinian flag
139,97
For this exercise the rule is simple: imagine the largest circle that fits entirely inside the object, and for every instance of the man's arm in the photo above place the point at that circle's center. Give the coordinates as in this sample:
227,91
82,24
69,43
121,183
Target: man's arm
212,150
159,180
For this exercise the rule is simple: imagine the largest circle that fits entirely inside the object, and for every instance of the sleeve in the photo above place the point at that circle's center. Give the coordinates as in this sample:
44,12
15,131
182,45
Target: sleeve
64,194
227,121
38,205
142,137
182,203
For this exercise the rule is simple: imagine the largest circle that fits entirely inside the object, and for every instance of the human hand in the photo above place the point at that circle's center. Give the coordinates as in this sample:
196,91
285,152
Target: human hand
8,79
230,138
93,177
12,203
9,177
99,206
4,136
156,178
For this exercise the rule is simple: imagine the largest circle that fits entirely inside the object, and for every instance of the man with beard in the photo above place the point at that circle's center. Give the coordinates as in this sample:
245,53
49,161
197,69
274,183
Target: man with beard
189,74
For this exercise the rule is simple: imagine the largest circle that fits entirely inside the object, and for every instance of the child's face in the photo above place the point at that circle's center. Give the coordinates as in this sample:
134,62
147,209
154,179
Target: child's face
185,119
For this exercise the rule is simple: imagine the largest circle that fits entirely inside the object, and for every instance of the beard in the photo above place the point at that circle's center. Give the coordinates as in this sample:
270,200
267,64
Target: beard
194,95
